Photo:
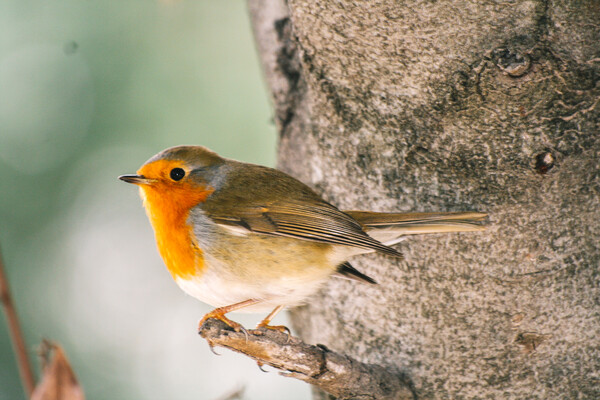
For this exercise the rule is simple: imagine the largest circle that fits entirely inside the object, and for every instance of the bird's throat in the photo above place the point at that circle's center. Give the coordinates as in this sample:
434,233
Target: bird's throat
174,236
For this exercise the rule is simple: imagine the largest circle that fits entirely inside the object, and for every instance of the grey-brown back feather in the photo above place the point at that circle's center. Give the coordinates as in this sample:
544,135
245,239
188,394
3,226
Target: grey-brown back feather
267,201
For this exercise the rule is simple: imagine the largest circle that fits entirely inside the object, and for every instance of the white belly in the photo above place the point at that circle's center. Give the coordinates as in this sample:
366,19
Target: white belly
220,289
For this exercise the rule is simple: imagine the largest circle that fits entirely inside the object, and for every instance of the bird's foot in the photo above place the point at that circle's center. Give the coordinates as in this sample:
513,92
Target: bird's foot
279,328
218,314
260,366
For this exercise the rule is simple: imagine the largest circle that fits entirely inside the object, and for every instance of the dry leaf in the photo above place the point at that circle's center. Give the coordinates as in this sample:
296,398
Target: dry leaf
58,381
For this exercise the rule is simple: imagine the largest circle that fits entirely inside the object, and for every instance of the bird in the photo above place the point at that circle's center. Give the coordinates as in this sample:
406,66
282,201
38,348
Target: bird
249,238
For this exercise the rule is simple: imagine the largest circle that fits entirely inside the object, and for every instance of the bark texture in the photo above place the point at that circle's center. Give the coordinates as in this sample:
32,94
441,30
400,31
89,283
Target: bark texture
453,106
335,373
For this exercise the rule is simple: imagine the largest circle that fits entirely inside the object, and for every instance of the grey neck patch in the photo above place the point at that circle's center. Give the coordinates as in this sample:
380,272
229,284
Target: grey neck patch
204,227
214,176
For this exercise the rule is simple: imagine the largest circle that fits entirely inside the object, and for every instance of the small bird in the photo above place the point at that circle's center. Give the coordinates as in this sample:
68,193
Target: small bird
245,237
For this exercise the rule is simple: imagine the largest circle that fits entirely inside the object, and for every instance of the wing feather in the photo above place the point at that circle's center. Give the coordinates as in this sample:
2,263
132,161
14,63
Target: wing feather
319,222
267,201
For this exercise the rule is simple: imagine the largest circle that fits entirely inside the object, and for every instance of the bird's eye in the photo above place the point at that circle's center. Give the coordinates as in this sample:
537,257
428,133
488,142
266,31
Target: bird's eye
177,174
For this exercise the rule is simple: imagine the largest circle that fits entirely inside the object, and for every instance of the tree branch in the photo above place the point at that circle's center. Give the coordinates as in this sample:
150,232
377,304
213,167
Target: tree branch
16,334
337,374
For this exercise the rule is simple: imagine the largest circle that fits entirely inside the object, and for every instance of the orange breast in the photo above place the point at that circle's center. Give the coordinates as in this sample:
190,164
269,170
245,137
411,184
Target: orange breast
177,247
174,236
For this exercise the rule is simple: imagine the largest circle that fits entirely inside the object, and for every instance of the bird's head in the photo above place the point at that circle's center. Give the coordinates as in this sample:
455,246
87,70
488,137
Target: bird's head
178,177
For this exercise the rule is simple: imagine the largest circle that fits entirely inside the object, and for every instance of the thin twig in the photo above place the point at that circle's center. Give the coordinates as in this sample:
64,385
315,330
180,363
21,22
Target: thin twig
25,370
337,374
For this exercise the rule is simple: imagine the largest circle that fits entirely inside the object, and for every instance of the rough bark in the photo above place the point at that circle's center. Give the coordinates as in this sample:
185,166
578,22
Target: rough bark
335,373
450,106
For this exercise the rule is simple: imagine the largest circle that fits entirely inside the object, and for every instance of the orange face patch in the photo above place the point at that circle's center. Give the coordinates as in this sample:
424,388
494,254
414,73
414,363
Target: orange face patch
168,204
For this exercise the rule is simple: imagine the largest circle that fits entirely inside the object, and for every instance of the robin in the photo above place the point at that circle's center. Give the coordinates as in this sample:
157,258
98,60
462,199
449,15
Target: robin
245,237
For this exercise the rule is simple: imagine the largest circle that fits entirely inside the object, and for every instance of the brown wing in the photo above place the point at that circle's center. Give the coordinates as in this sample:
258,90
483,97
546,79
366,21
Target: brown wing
316,221
268,201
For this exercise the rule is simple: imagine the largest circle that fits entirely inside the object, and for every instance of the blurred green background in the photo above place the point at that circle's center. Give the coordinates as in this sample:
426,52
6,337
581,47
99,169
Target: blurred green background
88,91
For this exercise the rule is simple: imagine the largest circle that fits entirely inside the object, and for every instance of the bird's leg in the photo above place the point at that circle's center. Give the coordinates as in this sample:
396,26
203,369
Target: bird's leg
265,322
219,313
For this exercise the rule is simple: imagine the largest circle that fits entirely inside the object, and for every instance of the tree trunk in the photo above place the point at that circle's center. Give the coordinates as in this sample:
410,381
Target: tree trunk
452,106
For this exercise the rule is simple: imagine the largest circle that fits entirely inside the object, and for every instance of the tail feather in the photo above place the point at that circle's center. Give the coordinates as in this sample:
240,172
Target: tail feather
390,227
372,219
346,270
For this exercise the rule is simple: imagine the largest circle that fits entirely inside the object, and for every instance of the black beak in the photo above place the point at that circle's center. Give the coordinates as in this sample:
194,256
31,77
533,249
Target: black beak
135,179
